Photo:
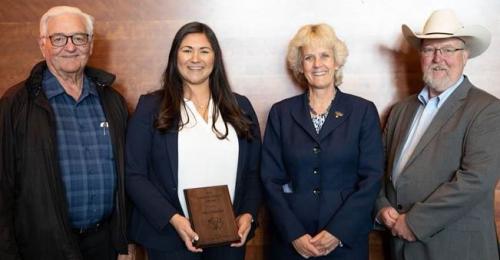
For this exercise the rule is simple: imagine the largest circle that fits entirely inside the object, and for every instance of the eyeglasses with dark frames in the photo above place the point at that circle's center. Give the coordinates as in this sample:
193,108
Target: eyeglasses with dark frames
78,39
445,51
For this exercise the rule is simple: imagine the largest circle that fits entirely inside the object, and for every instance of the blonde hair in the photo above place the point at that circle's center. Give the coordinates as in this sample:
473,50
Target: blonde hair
316,35
60,10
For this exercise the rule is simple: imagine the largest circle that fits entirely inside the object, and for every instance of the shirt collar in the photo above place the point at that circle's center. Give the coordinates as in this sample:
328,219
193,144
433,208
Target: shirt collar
53,88
423,96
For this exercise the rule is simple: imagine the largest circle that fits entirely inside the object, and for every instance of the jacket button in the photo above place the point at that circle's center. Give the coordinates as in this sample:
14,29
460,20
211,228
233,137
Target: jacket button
316,150
400,207
316,171
316,191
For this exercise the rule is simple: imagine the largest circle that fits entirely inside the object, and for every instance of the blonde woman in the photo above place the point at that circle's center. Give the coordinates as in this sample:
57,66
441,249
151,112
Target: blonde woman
322,156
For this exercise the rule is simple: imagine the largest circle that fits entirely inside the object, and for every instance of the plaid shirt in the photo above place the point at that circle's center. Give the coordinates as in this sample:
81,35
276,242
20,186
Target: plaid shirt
85,152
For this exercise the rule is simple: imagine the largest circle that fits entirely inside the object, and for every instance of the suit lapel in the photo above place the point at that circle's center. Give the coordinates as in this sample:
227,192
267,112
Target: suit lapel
339,112
301,115
171,144
242,153
403,129
448,109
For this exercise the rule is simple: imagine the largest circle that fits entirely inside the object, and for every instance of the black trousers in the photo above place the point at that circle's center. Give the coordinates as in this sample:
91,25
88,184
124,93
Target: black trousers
96,245
211,253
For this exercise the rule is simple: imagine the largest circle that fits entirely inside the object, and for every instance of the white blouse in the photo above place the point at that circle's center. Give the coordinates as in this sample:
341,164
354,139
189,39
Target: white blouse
205,160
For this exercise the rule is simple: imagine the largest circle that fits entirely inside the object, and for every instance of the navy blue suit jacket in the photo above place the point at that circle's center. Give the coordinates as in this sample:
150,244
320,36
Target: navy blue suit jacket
332,178
151,175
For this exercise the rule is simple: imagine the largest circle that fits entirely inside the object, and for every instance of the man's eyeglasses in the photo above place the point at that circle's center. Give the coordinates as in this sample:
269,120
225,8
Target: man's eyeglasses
60,40
445,52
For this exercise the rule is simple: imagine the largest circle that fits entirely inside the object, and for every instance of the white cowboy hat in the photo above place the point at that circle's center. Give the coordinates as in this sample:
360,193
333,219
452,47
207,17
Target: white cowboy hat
445,24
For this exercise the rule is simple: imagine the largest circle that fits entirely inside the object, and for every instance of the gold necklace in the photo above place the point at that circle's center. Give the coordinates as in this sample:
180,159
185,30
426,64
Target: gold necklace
318,114
202,109
311,109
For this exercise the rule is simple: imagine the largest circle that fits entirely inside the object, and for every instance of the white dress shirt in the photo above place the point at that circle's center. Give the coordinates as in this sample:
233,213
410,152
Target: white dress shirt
205,160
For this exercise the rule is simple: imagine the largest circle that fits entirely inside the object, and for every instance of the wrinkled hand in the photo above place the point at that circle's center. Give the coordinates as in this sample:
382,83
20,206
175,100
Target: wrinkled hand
304,247
130,255
388,216
402,230
244,222
325,242
187,234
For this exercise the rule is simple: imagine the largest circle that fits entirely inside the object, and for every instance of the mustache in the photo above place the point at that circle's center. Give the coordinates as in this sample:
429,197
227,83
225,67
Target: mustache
437,67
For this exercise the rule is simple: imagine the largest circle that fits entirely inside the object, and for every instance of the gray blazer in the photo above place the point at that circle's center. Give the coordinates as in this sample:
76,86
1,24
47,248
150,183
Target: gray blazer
447,187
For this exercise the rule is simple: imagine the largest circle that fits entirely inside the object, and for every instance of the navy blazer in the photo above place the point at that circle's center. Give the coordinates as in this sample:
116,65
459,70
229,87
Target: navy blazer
151,175
331,178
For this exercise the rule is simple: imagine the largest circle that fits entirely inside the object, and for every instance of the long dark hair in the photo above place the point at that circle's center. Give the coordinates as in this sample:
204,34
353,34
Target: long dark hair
169,116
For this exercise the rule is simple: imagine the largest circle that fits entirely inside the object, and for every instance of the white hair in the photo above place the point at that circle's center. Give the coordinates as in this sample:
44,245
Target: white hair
60,10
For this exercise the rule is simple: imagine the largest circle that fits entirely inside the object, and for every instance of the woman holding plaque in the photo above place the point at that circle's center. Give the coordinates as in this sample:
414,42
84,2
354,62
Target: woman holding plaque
194,132
322,157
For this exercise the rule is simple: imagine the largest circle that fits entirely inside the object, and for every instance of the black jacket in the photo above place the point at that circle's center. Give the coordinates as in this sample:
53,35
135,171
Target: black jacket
34,221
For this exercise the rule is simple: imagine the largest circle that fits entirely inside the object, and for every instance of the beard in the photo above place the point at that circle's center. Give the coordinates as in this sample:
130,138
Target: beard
437,84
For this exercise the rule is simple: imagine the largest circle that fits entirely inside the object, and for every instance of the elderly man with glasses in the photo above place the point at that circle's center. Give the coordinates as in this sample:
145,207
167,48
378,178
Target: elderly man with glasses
442,152
61,166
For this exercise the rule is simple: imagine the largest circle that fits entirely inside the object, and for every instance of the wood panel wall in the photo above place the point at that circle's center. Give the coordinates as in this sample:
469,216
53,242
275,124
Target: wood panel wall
133,39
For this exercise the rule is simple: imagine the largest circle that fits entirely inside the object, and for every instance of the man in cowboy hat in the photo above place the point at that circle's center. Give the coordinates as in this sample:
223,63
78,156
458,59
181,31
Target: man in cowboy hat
442,150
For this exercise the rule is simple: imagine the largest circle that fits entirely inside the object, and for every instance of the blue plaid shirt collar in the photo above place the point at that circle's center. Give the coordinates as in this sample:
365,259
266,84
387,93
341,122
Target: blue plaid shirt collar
53,88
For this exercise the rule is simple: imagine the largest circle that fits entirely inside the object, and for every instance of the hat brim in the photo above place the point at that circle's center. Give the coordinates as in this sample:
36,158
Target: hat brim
477,38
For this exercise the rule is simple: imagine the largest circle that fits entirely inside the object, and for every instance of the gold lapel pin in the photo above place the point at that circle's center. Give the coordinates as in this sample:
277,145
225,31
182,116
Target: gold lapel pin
338,114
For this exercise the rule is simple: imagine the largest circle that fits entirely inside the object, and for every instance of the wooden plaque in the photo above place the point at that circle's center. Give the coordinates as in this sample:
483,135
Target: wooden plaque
211,215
